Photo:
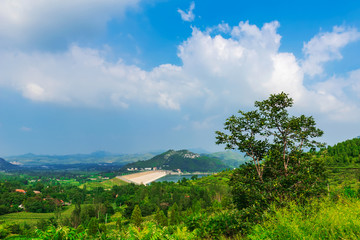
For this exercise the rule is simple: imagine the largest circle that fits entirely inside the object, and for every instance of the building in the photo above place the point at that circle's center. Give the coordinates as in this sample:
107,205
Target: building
20,191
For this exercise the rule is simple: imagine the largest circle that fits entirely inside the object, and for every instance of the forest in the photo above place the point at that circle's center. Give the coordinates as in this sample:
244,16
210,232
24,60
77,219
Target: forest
292,187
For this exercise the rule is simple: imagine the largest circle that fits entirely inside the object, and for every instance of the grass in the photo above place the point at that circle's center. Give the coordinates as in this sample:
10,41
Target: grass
32,218
341,176
323,219
107,184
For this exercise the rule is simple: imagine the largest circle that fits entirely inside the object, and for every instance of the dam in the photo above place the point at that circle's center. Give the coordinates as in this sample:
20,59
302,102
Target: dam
143,177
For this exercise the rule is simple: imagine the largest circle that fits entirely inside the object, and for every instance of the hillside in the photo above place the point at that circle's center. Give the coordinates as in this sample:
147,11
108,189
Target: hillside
229,158
344,153
182,159
4,165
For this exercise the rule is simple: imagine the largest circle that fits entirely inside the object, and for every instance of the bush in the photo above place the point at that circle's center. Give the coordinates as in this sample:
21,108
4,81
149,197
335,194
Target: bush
318,220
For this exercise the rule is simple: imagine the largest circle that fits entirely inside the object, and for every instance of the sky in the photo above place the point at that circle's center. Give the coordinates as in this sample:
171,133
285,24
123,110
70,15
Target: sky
130,76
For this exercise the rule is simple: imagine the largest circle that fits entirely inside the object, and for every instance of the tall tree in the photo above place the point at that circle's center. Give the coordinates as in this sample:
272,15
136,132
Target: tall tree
275,141
136,217
270,128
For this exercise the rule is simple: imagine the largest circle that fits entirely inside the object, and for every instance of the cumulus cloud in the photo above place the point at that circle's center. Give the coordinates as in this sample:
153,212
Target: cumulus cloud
217,70
243,67
46,23
82,76
189,15
326,47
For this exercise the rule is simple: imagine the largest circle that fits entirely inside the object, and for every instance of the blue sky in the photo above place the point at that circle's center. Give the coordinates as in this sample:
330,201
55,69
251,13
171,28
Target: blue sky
133,76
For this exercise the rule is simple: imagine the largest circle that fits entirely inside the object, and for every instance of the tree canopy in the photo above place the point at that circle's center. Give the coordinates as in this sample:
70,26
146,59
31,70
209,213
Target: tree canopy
275,142
270,128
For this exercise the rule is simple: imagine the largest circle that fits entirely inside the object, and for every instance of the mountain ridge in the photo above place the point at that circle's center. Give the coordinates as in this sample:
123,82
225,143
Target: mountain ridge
5,165
184,160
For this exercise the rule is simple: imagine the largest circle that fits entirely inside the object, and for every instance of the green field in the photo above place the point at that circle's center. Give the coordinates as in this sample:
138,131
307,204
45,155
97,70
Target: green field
32,218
107,184
343,176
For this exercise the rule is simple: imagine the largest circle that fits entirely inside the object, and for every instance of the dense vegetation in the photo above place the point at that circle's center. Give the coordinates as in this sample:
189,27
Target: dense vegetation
233,159
344,153
182,159
288,190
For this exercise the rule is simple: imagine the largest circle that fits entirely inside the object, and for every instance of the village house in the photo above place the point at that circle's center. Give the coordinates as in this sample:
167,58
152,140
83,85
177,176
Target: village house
20,191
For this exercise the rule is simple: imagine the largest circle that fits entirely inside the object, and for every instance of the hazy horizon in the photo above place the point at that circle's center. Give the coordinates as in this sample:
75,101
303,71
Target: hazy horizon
133,76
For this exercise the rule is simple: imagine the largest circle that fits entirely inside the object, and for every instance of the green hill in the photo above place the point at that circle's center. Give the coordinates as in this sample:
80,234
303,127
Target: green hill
4,165
182,159
344,153
229,158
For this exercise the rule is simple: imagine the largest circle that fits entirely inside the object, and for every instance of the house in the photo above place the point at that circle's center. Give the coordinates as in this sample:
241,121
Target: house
36,192
20,191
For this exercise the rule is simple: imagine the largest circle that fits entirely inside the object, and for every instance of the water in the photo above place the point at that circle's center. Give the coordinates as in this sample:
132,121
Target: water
175,178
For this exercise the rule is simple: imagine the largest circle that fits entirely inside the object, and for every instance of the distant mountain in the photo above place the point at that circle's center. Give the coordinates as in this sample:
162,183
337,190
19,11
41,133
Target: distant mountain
95,157
230,158
182,159
5,165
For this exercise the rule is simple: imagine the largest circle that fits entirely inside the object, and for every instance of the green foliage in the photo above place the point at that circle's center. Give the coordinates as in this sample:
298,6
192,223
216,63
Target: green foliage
184,160
151,231
3,232
279,169
136,217
33,218
174,215
225,223
107,184
318,220
93,227
61,232
343,153
75,216
231,158
160,217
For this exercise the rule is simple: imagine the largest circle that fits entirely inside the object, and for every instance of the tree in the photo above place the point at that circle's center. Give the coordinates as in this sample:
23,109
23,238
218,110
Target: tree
76,216
93,227
275,142
160,217
268,128
174,215
136,217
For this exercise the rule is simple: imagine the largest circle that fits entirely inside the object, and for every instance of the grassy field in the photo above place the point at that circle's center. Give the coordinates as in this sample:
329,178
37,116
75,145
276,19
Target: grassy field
107,184
32,218
323,219
343,176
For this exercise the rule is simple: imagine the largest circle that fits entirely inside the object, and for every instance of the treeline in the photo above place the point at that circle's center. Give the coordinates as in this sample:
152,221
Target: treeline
38,197
193,204
343,153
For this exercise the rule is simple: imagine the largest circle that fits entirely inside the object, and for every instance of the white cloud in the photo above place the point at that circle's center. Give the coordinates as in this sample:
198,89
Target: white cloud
82,76
189,15
326,47
217,72
45,23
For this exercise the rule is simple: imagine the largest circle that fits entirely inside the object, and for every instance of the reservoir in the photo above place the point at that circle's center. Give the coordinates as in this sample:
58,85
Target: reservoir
148,177
175,177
